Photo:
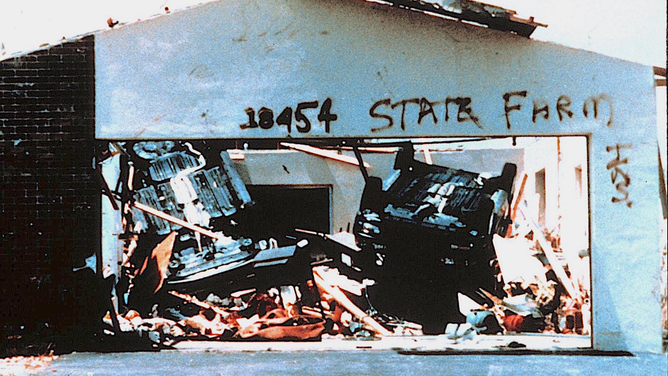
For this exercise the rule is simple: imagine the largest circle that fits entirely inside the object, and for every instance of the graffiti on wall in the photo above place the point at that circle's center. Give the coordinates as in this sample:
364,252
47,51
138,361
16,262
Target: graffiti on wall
461,110
619,177
517,106
265,117
597,107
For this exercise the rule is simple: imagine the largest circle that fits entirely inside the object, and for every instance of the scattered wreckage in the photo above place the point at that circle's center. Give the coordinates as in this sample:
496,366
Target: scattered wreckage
421,240
426,234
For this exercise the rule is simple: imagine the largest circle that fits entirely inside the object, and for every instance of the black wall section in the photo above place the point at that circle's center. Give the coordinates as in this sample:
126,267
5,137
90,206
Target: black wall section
50,192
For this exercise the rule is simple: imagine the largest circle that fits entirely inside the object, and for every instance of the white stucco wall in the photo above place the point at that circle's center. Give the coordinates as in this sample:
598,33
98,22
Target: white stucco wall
194,74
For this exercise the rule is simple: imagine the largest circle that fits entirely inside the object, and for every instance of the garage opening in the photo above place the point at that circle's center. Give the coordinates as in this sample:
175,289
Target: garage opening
279,210
454,237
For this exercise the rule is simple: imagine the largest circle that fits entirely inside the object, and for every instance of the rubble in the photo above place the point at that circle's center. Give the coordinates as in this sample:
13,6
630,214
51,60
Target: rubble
192,271
269,315
451,215
330,287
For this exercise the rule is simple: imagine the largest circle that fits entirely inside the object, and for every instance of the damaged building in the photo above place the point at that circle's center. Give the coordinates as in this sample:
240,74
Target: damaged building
202,175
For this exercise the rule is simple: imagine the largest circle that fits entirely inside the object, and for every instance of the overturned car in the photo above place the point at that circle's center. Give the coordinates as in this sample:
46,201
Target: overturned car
186,219
426,235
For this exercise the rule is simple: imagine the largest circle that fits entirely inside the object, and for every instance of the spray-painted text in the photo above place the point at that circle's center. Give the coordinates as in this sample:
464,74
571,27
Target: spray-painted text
518,107
619,177
265,117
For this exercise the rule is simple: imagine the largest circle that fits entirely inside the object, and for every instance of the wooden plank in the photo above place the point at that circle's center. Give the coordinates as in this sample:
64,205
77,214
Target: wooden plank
174,220
324,153
342,299
551,256
517,198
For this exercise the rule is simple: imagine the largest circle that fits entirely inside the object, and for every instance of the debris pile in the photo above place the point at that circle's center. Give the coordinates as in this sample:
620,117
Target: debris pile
251,317
285,313
191,268
535,299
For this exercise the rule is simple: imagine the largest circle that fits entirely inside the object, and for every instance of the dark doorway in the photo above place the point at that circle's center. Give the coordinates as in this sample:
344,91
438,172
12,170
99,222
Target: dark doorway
281,209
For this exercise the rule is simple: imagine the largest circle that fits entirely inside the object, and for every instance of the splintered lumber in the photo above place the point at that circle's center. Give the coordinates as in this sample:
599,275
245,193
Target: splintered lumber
342,299
168,218
550,255
193,300
317,313
324,153
174,220
516,202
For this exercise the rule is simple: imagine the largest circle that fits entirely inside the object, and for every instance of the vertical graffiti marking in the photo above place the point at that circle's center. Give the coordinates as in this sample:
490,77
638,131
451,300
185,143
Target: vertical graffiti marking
616,173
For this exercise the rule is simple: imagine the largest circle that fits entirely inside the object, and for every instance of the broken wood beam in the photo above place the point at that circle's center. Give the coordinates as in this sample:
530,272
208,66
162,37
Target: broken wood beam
551,255
518,196
313,312
193,300
324,153
174,220
427,155
342,299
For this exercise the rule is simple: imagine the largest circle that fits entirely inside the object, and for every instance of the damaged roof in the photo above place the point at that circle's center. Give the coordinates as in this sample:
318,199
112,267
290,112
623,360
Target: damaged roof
467,11
491,16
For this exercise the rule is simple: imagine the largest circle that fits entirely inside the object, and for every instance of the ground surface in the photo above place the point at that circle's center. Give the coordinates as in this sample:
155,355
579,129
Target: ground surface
356,357
361,362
